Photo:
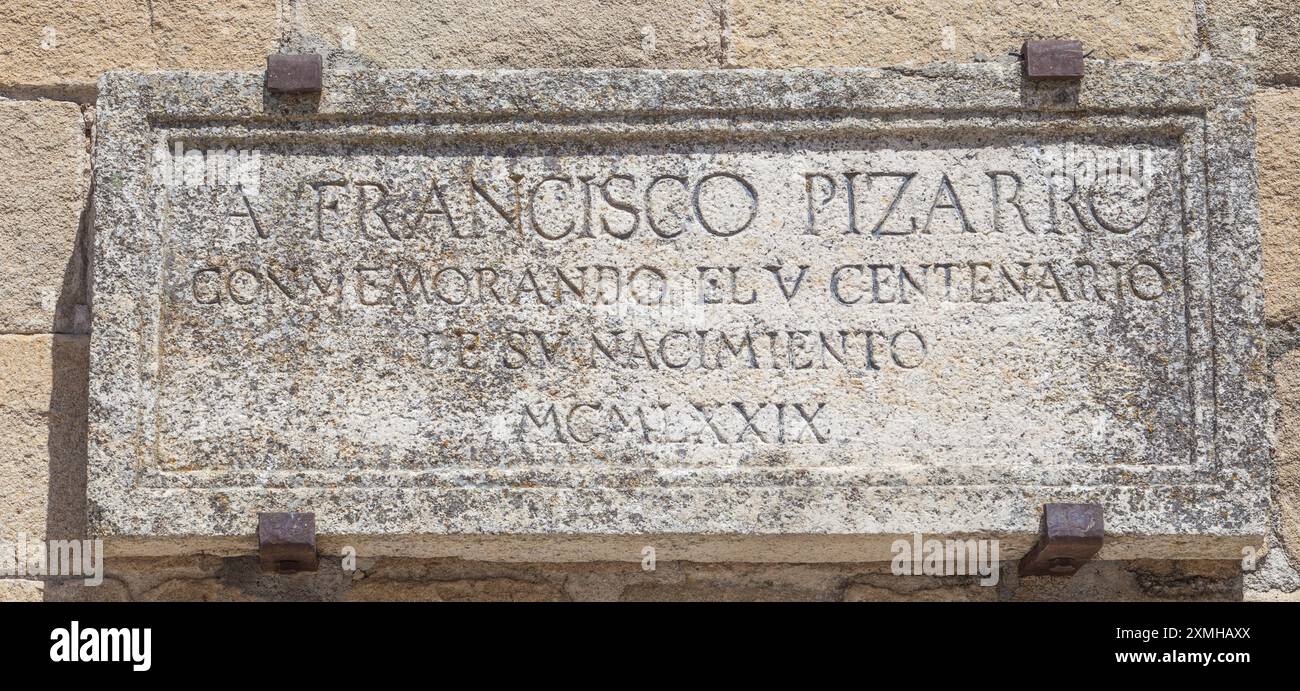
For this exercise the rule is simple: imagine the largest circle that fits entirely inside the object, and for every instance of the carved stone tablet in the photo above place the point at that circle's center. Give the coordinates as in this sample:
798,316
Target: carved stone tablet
739,314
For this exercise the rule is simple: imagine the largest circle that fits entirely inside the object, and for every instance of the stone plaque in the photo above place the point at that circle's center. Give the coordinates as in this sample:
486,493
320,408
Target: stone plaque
746,314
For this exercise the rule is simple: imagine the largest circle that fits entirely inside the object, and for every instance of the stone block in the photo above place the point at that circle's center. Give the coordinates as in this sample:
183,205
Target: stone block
718,308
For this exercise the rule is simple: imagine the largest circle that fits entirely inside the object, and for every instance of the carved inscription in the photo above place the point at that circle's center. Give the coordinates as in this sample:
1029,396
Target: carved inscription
866,299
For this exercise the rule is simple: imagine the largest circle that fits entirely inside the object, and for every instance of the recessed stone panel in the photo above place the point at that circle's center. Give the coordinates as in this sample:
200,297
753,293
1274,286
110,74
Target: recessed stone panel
786,314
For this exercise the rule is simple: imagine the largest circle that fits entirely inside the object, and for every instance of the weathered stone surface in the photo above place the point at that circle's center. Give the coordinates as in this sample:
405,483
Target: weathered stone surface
1263,33
613,304
923,589
44,182
389,579
1273,577
69,43
1136,581
14,590
1277,115
42,436
524,34
1287,495
785,33
477,590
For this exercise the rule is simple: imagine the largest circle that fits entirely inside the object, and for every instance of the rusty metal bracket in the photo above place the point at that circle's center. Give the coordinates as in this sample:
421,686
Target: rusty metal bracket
293,74
1072,534
1054,59
286,542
